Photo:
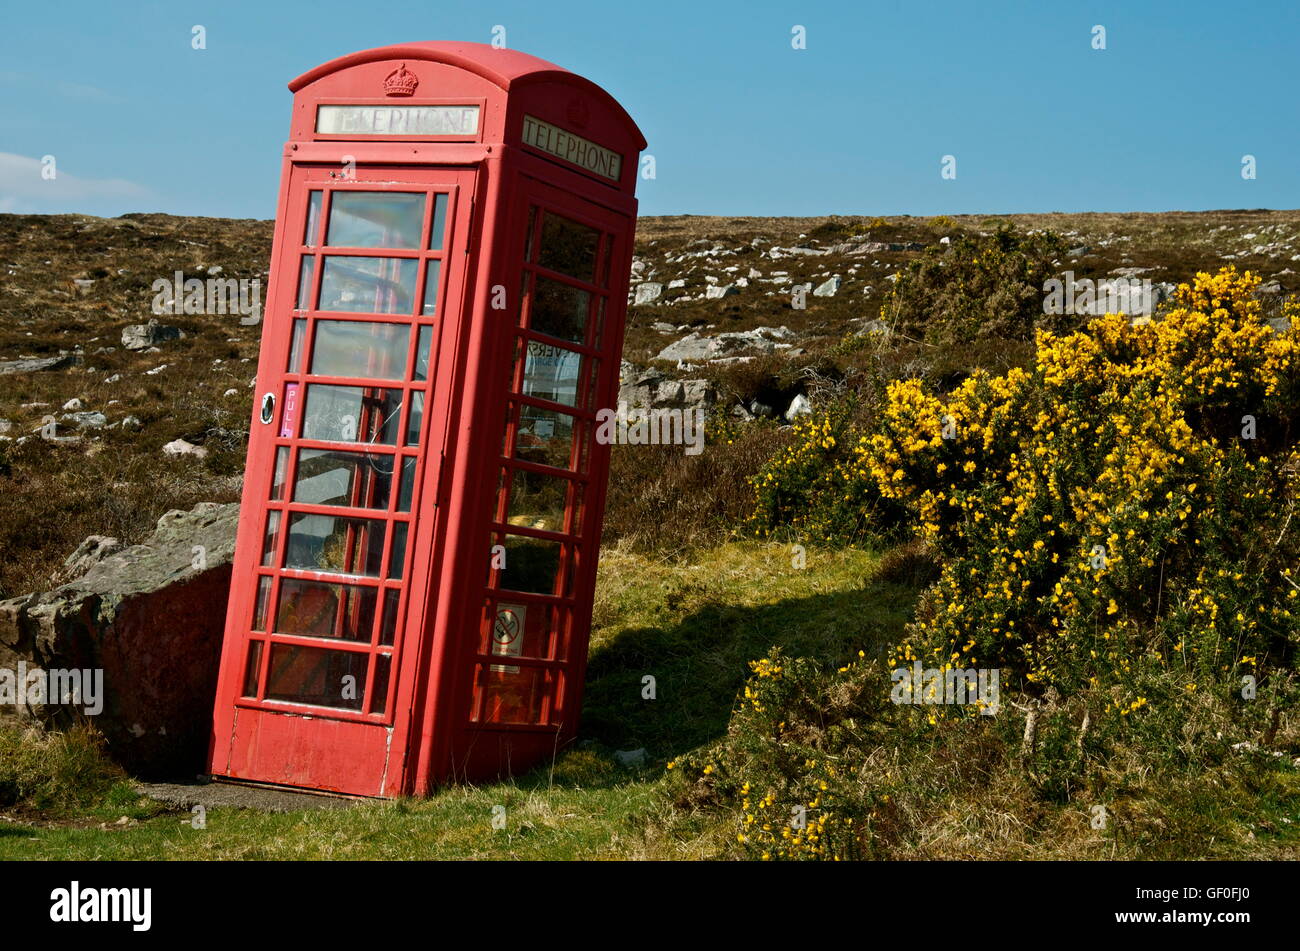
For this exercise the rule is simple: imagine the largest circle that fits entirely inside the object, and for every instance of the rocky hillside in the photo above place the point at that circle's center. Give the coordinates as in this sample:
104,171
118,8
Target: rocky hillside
146,419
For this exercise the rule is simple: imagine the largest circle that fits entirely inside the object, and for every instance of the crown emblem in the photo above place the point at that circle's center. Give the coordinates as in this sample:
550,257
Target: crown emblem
400,82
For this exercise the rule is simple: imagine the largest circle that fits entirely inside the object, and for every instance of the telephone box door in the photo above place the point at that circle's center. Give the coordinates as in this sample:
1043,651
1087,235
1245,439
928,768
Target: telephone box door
334,556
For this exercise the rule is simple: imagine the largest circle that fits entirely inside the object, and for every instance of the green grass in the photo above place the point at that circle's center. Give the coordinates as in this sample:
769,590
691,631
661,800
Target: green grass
692,624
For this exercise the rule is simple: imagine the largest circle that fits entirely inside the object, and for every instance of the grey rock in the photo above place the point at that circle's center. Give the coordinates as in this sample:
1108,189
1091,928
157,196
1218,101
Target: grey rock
153,623
90,553
38,364
179,447
648,292
653,390
799,406
694,348
143,336
630,758
73,405
828,288
86,420
1280,324
717,291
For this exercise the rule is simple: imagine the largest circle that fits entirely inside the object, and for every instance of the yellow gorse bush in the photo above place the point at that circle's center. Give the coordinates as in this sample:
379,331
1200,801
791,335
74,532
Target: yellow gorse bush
1124,503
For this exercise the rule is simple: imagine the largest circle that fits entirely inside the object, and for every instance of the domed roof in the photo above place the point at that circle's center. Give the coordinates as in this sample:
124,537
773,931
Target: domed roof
506,68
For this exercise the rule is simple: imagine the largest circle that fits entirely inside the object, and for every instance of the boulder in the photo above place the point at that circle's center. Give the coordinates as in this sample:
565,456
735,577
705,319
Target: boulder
179,447
799,406
90,553
648,292
151,618
36,364
142,336
694,348
828,288
653,390
90,419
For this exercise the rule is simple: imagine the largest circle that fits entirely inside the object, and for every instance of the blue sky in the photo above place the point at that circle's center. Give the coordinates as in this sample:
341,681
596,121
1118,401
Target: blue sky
738,121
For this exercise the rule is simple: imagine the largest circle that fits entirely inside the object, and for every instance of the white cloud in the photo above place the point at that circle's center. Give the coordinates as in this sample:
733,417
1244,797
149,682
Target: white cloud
23,188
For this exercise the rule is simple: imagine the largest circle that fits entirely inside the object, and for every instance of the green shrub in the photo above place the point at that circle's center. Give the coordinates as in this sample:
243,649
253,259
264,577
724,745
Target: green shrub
976,287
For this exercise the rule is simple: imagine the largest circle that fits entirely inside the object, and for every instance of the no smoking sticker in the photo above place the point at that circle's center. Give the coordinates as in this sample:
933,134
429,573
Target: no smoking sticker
508,633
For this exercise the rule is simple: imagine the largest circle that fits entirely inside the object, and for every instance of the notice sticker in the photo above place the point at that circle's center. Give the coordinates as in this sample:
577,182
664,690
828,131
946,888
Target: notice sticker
289,415
508,633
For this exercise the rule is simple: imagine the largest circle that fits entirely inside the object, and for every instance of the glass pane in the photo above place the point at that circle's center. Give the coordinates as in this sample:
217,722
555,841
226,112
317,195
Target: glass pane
532,565
368,285
416,418
335,543
397,558
318,676
281,469
520,630
311,235
375,220
568,247
560,310
358,480
513,694
360,348
295,345
263,603
422,352
272,533
352,414
439,225
321,609
252,669
432,271
538,501
388,629
305,275
551,373
379,693
545,437
408,485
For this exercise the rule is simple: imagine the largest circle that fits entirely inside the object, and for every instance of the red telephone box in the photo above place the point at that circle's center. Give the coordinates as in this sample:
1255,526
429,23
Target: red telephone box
424,493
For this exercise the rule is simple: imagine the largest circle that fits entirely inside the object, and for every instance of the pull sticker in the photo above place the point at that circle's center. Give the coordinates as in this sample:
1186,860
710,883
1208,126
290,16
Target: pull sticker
289,415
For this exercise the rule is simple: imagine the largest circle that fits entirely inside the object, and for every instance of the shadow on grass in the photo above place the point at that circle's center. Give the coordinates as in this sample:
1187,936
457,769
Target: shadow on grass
700,664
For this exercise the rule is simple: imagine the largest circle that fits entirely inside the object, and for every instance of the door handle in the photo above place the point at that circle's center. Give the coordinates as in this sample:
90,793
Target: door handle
268,407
